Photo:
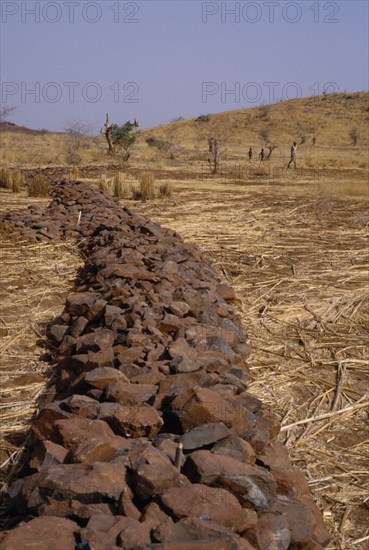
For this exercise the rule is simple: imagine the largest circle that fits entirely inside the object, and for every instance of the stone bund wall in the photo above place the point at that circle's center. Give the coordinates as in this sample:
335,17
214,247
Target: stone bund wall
147,437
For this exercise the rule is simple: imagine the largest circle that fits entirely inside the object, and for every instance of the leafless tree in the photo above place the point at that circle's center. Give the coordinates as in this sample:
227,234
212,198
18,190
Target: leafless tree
5,112
77,133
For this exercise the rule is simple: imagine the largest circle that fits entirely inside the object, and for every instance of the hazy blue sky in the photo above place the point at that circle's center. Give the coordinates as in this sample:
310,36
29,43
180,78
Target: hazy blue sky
66,61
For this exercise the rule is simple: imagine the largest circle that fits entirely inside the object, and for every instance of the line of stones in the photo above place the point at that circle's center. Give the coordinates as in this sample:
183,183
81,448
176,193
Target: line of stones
147,437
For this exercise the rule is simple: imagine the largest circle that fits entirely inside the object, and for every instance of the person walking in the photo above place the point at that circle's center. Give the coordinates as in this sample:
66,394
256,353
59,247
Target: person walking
250,154
262,155
293,155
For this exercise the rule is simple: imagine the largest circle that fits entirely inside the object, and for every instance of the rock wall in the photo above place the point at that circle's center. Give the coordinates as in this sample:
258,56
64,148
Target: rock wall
148,437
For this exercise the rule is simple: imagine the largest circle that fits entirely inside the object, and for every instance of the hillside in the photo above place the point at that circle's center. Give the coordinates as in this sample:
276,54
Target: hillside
328,120
324,127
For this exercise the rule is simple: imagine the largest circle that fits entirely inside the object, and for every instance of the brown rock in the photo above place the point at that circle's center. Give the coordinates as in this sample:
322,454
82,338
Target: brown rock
195,529
101,377
78,326
130,420
151,479
89,483
130,394
299,519
201,501
198,406
102,531
81,405
44,424
204,435
57,332
46,454
37,533
133,534
320,533
273,533
236,448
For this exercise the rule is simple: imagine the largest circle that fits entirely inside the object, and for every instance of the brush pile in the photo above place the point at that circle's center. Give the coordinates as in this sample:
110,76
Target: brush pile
148,437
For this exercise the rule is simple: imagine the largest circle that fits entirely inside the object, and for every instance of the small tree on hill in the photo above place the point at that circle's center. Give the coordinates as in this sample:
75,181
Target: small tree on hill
5,112
120,138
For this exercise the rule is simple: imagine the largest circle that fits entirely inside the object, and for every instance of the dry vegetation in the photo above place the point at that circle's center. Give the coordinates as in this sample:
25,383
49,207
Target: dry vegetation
35,279
293,243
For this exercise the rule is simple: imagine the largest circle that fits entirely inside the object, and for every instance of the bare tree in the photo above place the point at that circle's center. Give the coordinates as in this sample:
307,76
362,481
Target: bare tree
5,112
271,148
217,137
77,133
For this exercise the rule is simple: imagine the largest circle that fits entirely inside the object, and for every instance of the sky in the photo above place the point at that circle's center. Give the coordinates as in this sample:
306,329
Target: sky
64,62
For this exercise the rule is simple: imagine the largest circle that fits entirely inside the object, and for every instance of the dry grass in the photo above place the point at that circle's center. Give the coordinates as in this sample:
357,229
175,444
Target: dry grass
165,190
296,261
122,186
146,187
38,186
5,178
35,279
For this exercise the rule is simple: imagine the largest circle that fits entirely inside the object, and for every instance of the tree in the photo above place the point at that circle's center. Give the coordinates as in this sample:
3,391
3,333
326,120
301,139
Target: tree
5,112
77,132
217,136
120,138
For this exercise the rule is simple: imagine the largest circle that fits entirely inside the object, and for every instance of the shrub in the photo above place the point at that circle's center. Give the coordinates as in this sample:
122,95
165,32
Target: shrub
5,179
38,186
165,190
160,144
264,135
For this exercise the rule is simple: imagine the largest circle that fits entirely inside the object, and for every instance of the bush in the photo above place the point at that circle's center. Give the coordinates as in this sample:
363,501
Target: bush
165,190
39,187
160,144
5,179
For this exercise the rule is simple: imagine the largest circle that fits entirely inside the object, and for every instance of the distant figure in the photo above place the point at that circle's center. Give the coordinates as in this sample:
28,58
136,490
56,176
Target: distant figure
250,154
262,155
293,155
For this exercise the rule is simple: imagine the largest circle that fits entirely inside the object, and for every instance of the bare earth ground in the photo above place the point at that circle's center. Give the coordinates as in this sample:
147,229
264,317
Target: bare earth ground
296,252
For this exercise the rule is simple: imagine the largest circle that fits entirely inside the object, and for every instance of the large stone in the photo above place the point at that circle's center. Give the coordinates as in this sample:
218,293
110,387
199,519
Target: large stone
131,394
151,479
204,502
101,377
198,406
236,448
130,420
195,529
253,484
41,533
273,532
204,435
88,483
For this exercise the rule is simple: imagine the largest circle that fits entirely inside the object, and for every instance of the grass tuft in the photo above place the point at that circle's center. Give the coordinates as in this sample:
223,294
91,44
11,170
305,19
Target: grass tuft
39,187
166,190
